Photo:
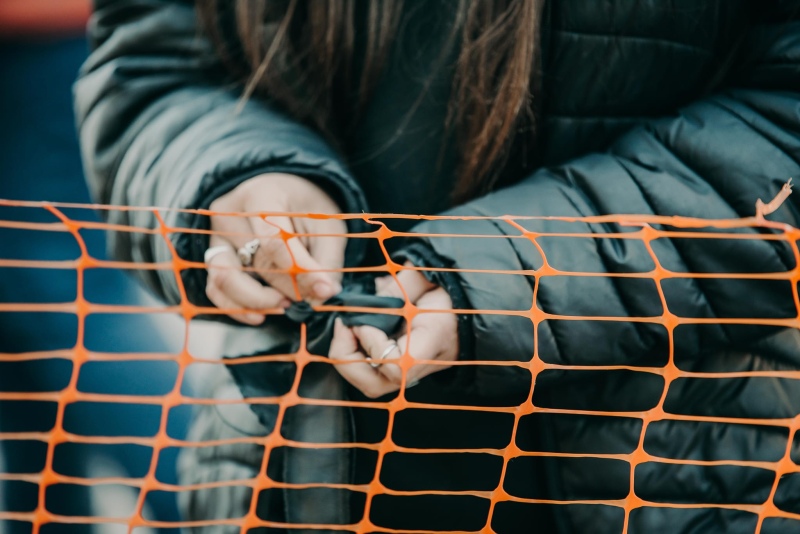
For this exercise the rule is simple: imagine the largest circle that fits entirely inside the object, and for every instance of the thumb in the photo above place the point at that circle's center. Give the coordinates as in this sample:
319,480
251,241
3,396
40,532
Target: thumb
327,245
290,255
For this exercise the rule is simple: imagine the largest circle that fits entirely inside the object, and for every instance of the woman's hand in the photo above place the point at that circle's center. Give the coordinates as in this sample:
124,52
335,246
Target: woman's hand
432,336
230,287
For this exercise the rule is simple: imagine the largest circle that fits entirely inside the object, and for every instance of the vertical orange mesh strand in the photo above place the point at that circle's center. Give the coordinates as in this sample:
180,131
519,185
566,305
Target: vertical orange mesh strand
644,229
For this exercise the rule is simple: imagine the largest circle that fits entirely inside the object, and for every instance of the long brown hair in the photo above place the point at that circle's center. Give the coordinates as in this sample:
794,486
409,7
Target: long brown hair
302,54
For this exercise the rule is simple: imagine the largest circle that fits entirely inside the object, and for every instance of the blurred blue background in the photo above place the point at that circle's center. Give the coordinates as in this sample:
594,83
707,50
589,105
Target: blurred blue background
40,55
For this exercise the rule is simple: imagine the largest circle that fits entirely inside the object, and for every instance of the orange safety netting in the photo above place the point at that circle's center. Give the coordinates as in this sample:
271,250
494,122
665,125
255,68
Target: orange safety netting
645,230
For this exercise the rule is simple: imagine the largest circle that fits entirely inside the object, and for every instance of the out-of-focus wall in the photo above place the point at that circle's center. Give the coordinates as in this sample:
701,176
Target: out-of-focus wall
42,46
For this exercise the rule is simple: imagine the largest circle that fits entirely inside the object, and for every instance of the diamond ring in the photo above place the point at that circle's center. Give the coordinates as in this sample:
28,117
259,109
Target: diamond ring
248,251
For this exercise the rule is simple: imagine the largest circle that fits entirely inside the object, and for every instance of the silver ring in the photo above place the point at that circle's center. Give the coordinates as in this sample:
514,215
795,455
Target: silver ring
388,350
212,252
248,251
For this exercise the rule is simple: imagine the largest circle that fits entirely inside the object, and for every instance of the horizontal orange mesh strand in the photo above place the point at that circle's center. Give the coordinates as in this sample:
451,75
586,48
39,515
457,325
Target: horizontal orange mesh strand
645,229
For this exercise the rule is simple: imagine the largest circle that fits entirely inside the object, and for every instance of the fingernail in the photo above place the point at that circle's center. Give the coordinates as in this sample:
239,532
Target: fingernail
285,303
323,290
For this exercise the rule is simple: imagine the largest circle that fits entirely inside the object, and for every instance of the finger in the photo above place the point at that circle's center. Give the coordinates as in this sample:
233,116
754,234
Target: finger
225,272
412,282
373,340
436,299
358,373
272,253
277,254
235,230
229,287
328,250
343,342
316,283
222,300
226,304
378,348
425,341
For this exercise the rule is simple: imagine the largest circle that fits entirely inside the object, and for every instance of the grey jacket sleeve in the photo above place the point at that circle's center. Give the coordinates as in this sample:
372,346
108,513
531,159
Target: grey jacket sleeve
158,127
712,160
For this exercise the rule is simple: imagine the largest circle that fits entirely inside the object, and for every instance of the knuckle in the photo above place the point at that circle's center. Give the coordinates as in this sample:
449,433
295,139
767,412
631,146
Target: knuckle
375,350
210,285
394,377
392,289
272,247
306,282
212,293
222,279
368,346
220,204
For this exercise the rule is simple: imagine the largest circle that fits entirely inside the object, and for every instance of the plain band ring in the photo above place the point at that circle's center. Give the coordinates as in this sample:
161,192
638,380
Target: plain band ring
248,251
212,252
388,350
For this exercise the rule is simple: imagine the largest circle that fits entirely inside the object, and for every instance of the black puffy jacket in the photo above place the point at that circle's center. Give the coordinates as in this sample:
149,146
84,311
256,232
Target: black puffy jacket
686,107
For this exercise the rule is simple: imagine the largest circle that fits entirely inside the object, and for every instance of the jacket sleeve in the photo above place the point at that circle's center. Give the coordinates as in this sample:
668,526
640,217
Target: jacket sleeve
712,160
159,127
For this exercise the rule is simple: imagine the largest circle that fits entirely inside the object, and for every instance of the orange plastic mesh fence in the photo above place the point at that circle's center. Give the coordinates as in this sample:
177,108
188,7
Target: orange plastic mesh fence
644,229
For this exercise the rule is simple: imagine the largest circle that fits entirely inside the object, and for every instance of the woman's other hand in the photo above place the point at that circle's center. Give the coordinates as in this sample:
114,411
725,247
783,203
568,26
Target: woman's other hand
231,287
433,335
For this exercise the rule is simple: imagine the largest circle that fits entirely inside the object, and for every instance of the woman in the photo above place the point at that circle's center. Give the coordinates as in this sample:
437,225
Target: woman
472,108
